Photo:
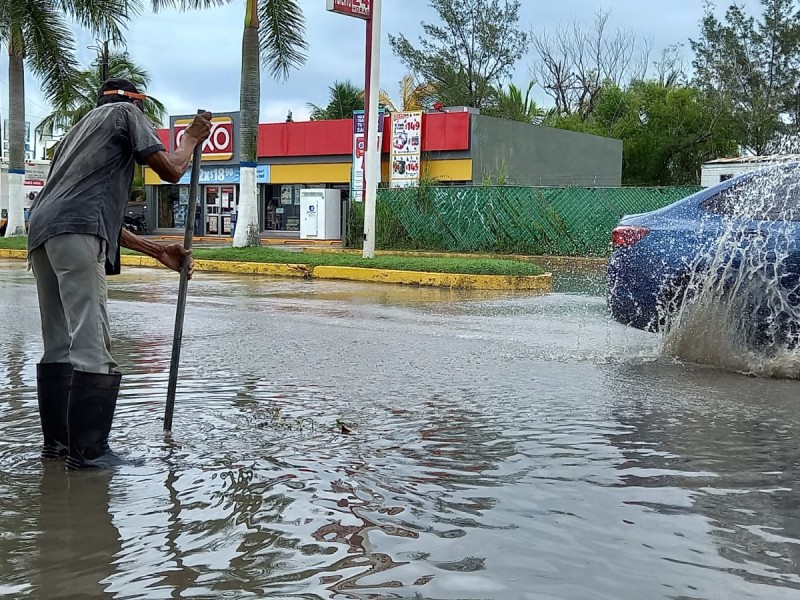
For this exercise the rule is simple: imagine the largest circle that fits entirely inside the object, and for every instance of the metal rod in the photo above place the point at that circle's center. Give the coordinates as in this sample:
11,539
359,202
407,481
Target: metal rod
105,60
177,337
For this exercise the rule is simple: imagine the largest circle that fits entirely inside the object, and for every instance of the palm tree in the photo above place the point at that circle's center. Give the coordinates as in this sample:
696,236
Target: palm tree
413,96
38,32
511,104
274,33
344,97
72,109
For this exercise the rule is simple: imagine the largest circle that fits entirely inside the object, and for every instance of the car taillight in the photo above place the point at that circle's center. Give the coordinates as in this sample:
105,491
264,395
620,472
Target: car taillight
627,235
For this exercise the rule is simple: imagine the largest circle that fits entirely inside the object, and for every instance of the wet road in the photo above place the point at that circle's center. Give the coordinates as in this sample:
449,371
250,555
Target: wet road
504,447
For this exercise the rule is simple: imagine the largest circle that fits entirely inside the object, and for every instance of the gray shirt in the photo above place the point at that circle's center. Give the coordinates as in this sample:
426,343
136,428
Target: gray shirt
90,178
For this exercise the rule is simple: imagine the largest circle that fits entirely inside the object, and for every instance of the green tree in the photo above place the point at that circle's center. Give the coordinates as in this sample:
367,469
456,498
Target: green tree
512,105
668,131
470,53
274,34
83,97
753,66
344,97
38,33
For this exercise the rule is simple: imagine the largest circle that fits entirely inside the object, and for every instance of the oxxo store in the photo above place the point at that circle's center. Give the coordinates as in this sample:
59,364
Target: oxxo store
292,157
219,179
452,146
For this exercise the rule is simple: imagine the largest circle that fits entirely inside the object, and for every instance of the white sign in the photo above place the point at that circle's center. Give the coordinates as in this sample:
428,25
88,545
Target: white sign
360,151
406,151
351,8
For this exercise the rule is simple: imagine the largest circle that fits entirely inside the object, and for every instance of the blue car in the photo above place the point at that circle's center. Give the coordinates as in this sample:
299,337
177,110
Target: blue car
735,244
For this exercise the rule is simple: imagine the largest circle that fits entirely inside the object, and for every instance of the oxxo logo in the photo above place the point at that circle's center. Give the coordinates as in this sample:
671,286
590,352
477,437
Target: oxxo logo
218,145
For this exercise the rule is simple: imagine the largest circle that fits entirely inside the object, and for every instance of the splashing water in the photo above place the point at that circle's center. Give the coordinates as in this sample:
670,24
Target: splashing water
739,304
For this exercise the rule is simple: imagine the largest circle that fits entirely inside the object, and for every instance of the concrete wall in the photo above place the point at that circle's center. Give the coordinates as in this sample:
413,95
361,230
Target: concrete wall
535,155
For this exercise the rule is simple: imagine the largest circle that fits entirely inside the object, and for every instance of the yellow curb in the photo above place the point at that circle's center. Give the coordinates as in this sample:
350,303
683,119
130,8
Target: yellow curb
9,253
543,283
540,283
276,269
560,261
227,266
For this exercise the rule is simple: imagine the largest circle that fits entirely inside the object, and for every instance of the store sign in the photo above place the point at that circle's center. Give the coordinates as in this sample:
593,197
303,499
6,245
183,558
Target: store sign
218,145
211,175
352,8
406,150
357,176
36,174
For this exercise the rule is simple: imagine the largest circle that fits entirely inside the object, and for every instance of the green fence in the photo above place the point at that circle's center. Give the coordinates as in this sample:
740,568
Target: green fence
506,219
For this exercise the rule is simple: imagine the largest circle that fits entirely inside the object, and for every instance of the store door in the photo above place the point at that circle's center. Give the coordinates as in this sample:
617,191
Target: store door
221,204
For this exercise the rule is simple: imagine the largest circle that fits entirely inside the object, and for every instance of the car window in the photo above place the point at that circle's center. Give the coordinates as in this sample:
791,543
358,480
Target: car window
772,196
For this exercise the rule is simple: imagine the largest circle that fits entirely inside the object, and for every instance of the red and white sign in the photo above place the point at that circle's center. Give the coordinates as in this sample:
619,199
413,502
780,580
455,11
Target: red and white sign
406,150
218,145
352,8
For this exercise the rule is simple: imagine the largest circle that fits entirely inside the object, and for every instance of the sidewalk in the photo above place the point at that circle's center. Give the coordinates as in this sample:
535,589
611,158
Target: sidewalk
215,242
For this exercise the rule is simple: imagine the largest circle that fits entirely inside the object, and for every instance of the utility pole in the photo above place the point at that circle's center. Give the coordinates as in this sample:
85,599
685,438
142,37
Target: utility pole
370,11
372,165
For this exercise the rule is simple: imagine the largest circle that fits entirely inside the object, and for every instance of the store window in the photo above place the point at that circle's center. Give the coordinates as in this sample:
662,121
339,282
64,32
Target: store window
173,205
282,210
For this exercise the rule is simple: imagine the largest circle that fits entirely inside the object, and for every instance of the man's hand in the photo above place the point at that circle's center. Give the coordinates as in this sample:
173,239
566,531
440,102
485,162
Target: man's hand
200,127
172,255
171,167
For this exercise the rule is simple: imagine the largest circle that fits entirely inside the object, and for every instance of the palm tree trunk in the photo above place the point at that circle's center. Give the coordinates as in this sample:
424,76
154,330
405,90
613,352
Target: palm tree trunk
248,227
16,137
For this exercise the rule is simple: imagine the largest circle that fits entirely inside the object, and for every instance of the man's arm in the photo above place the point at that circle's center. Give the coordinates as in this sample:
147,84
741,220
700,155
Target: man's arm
171,256
171,167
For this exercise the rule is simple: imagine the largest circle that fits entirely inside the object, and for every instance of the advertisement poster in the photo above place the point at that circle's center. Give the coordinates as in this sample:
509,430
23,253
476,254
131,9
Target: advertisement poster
359,153
406,149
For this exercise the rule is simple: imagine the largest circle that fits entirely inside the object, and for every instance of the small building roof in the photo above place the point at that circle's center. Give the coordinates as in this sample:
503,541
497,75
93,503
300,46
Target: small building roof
769,158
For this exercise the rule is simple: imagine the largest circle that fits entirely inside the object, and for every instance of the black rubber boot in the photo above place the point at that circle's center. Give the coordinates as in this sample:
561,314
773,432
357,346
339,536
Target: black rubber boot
92,401
52,390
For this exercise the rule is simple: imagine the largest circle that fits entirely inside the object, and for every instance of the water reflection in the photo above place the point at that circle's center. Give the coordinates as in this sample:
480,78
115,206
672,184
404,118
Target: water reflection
76,540
508,448
730,463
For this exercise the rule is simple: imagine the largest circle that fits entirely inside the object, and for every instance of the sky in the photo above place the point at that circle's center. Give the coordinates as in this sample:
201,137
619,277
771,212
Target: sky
193,58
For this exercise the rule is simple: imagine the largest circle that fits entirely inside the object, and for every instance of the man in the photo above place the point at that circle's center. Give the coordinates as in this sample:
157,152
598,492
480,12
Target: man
75,230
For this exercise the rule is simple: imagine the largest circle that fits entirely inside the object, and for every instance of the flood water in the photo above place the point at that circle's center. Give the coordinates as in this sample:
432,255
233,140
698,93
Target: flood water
502,447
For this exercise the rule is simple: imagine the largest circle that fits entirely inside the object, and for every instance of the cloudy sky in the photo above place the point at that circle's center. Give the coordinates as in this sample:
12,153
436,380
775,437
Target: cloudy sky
193,58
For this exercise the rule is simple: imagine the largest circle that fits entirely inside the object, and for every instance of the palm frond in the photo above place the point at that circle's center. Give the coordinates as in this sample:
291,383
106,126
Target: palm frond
71,108
282,36
49,46
186,5
106,18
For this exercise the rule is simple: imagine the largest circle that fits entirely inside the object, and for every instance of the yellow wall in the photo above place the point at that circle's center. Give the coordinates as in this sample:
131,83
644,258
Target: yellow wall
448,170
310,173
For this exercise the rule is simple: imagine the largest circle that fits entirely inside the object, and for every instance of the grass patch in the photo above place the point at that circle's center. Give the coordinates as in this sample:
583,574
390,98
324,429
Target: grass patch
14,243
466,266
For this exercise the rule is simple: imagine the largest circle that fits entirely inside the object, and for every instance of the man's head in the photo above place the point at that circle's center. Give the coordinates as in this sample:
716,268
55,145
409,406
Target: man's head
119,90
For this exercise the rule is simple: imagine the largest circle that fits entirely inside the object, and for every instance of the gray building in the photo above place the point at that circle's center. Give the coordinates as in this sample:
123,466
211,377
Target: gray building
526,154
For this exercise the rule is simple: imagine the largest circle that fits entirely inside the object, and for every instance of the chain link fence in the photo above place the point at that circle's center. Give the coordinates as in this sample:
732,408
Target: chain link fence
506,219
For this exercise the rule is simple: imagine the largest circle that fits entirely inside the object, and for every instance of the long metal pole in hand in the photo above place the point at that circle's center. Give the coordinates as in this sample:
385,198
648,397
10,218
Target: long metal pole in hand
177,337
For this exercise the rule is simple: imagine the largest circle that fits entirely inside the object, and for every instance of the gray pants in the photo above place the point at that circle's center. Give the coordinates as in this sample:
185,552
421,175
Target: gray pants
71,282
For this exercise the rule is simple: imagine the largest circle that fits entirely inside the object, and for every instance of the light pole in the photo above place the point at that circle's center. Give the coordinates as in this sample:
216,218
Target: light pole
102,50
372,162
370,11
